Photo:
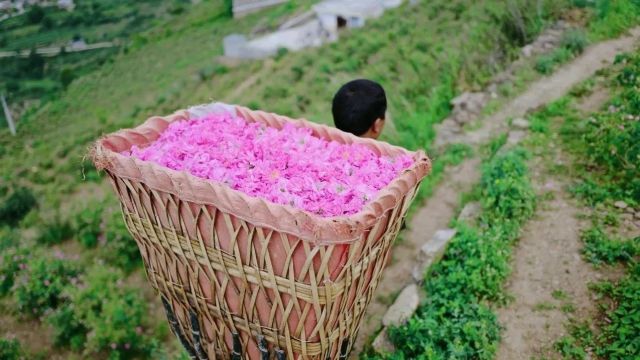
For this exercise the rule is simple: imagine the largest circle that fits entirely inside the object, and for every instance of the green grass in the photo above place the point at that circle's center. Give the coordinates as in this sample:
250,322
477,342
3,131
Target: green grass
613,17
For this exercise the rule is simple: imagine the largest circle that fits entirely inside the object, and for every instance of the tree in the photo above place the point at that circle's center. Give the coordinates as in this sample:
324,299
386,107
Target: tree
33,66
35,15
66,77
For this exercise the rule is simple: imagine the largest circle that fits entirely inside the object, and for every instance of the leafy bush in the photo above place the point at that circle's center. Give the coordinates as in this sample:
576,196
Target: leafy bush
545,64
613,17
619,334
16,206
574,40
455,323
599,248
55,231
452,155
607,142
13,261
11,350
119,249
101,315
88,224
40,285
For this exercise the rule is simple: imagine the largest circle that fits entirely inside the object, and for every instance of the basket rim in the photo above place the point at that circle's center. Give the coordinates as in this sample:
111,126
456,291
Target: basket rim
258,211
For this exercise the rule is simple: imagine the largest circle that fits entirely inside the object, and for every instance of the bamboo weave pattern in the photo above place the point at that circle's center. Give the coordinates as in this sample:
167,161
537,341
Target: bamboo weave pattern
305,297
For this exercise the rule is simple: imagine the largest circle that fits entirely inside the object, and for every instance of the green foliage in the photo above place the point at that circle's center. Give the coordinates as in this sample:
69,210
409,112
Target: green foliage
574,40
119,249
102,316
16,205
456,323
13,261
452,155
569,349
545,64
55,231
600,248
11,350
507,193
613,17
66,77
35,14
39,286
607,142
619,334
606,152
88,224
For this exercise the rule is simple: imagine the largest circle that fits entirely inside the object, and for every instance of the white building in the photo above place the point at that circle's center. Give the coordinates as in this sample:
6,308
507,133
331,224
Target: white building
68,5
310,29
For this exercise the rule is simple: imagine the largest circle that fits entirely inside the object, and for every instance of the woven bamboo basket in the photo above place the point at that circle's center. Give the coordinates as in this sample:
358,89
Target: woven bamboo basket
243,278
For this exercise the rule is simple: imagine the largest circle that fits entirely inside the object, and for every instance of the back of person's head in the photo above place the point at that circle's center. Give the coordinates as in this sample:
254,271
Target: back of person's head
359,107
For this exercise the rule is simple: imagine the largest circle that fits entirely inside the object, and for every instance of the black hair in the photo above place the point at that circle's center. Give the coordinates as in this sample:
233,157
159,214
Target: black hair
357,105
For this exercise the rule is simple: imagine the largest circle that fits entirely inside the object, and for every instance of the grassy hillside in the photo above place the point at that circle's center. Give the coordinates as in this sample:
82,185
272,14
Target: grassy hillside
53,204
39,78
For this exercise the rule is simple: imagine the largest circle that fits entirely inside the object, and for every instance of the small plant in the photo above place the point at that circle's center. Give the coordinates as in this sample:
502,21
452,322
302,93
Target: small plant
40,284
599,248
574,40
547,63
120,248
16,206
101,316
13,262
88,224
11,350
55,231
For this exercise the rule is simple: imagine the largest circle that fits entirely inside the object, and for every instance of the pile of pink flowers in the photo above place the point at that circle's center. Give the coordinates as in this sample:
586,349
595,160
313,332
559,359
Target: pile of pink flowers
288,166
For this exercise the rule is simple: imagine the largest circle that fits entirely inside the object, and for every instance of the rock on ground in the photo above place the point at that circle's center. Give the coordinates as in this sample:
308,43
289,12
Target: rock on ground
404,306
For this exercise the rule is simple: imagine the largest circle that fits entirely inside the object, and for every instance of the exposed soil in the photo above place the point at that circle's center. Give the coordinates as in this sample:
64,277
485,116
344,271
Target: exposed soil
435,215
546,262
550,280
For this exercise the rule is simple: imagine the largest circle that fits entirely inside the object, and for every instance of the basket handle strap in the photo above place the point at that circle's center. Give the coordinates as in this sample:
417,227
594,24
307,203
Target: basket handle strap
175,328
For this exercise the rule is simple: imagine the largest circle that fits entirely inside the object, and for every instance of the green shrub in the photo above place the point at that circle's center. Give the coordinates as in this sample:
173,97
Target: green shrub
39,286
618,338
102,316
545,64
607,142
16,206
574,40
120,249
613,17
55,231
599,248
88,223
13,261
11,350
455,322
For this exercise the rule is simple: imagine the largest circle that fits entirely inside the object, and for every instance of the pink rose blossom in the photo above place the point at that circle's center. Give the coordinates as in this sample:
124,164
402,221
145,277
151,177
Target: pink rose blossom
288,166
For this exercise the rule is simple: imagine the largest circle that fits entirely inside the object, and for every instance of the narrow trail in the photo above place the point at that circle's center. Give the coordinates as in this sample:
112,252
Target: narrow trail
550,88
436,214
550,279
559,219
